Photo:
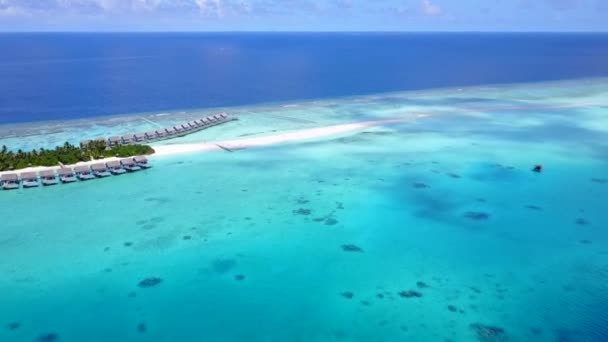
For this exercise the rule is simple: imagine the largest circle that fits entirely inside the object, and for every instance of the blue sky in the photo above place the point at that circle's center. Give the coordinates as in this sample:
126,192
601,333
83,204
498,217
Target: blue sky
303,15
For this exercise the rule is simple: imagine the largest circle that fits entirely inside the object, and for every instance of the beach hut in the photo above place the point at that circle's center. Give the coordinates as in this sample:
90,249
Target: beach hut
114,141
29,179
84,144
141,161
100,170
151,136
139,137
66,175
9,181
83,172
48,177
129,165
127,139
115,167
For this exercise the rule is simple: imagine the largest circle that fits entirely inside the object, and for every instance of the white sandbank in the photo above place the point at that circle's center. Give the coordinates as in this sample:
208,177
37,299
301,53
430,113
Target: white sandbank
312,133
168,150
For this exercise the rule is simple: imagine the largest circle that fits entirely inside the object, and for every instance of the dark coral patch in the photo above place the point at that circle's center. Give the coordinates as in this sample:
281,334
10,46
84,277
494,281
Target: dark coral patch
302,211
581,222
13,326
487,333
585,242
331,221
422,285
600,180
150,282
452,308
420,186
128,244
187,237
534,207
52,337
410,294
477,215
454,175
347,294
142,328
352,248
239,277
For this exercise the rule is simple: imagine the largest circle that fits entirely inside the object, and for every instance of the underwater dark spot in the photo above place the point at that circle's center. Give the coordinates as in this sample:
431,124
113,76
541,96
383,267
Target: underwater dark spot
52,337
148,226
533,207
222,266
481,200
158,200
302,211
339,205
581,222
239,277
536,331
128,244
420,186
380,296
187,237
585,242
302,200
454,175
410,294
487,333
107,270
422,285
140,222
365,303
157,219
149,282
13,326
452,308
476,215
403,328
247,218
319,219
352,248
141,328
244,190
330,221
600,180
347,294
475,289
132,294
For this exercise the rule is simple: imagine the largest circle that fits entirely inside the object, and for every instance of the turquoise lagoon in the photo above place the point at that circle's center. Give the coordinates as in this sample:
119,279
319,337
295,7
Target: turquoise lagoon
429,230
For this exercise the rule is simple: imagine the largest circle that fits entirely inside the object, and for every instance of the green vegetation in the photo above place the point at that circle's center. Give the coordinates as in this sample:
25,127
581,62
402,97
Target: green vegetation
67,154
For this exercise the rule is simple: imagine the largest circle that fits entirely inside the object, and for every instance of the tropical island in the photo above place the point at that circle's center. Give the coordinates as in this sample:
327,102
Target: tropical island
67,154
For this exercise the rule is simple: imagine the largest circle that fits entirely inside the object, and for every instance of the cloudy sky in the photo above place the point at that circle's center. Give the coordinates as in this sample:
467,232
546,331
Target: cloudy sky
304,15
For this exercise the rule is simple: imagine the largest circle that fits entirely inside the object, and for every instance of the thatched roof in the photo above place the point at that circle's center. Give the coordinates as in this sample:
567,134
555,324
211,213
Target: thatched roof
114,139
100,167
47,173
9,177
82,169
29,176
140,159
65,171
113,164
127,162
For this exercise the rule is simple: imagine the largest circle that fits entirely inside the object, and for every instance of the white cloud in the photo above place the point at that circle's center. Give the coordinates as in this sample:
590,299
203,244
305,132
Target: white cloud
430,8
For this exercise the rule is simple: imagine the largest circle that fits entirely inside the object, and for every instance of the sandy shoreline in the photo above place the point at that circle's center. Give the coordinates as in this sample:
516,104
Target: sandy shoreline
235,144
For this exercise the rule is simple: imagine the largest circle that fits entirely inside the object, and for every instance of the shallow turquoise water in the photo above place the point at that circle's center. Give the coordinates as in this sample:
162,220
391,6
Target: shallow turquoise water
250,246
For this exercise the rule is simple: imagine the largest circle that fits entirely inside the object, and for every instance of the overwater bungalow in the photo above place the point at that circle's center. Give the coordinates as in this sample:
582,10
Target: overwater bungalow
115,167
152,136
224,115
66,175
200,122
161,133
129,165
114,141
186,127
139,137
100,170
84,144
141,161
193,125
9,181
178,129
29,179
127,139
48,177
207,121
84,172
170,131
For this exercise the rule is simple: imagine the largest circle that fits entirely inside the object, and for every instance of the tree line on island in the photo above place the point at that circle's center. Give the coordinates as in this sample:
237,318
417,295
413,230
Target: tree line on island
67,154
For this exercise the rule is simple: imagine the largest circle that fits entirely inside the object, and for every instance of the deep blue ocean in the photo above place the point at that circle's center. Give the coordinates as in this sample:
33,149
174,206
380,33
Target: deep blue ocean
62,76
